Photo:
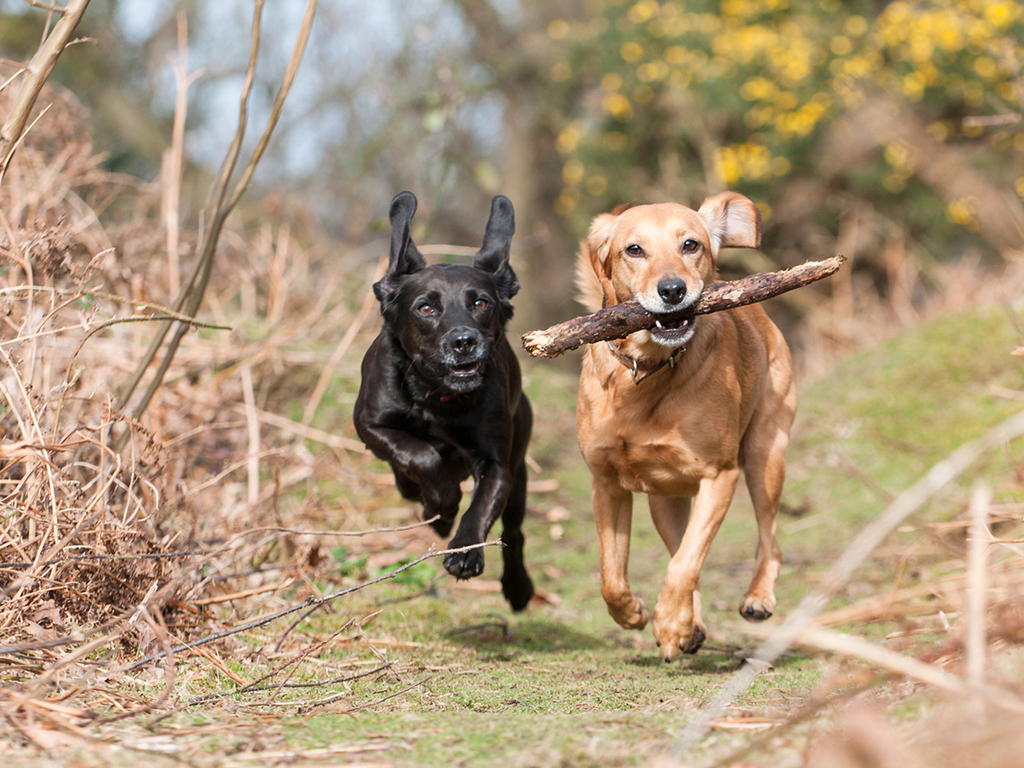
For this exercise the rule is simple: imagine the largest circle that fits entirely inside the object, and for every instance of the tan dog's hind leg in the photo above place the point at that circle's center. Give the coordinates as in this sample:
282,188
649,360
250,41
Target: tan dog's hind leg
677,610
613,513
671,516
765,470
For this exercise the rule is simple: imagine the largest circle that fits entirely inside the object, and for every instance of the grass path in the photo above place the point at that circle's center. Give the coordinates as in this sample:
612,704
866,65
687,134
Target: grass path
471,684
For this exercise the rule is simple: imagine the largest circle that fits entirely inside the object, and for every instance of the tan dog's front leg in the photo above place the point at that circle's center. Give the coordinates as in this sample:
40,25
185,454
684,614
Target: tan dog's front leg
677,612
613,513
671,515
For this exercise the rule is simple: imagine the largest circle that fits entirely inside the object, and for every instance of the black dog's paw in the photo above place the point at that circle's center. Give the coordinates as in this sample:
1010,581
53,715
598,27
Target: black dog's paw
517,589
441,499
465,565
408,487
441,526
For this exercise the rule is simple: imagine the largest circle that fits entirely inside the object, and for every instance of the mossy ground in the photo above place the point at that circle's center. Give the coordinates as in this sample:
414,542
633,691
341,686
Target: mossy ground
563,685
560,684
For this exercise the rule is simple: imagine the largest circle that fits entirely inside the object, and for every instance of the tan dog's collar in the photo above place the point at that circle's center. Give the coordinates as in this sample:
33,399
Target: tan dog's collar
651,366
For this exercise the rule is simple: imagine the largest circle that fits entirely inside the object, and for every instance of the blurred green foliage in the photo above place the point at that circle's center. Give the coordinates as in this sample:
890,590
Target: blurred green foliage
747,92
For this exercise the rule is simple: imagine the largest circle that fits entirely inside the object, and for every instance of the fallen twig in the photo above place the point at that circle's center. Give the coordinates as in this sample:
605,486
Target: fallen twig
870,537
247,593
316,532
335,697
311,602
977,585
855,647
260,688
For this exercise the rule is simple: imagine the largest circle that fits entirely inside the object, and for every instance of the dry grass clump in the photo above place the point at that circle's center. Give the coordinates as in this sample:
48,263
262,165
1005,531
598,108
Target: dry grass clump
65,494
202,523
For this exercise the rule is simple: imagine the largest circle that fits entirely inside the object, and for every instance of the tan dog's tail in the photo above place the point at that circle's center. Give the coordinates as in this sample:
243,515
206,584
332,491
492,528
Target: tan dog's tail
588,286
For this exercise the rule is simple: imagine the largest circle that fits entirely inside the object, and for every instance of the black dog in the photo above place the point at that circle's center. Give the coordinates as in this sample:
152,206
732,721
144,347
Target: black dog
441,396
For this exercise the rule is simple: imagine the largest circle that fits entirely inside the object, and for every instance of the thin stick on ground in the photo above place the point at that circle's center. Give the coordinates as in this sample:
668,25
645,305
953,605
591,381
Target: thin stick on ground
253,453
311,602
331,699
314,648
819,638
869,538
977,586
367,532
319,684
257,684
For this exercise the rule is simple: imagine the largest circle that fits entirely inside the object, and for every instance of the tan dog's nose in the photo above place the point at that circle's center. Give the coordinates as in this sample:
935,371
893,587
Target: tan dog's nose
672,290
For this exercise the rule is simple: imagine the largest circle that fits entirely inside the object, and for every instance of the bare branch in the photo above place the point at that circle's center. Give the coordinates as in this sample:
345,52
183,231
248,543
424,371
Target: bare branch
908,502
306,604
217,213
38,72
977,584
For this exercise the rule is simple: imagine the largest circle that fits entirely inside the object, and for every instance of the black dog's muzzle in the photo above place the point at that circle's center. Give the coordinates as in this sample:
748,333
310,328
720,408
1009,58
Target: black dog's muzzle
463,345
463,354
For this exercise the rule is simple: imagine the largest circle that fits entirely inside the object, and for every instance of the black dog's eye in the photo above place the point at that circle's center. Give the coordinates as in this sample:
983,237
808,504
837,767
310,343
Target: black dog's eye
426,310
690,246
635,251
480,304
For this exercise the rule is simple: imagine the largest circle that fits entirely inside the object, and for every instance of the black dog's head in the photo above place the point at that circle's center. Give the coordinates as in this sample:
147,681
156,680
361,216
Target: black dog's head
448,317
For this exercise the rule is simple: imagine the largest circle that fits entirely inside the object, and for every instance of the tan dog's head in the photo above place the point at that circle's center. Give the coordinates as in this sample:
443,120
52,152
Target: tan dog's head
661,255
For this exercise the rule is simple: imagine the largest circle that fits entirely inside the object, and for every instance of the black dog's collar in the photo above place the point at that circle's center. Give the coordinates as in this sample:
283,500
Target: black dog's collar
651,366
431,392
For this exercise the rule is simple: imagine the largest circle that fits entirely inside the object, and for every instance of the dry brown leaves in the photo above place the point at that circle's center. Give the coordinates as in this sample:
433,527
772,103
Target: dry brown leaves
207,520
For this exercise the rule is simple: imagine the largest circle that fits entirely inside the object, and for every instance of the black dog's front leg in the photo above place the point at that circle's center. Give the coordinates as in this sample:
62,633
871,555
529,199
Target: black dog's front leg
415,461
490,494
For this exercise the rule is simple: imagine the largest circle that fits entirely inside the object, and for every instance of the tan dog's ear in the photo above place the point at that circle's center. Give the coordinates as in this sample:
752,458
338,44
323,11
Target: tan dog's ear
732,221
599,241
593,262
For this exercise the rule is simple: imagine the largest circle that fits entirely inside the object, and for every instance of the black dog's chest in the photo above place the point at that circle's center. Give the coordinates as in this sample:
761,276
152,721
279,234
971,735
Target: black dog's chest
450,422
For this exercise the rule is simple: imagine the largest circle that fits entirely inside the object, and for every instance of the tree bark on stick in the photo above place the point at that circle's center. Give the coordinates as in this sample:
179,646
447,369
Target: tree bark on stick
620,320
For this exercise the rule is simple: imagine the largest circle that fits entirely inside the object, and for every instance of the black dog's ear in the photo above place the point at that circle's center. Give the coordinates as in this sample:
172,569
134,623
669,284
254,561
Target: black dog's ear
494,253
404,258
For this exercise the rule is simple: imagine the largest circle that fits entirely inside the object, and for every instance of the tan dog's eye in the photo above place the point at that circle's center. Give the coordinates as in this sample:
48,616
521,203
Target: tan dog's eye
426,310
480,304
635,251
690,246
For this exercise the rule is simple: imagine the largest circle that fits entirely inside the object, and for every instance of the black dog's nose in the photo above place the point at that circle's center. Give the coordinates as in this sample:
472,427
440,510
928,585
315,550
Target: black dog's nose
672,290
464,342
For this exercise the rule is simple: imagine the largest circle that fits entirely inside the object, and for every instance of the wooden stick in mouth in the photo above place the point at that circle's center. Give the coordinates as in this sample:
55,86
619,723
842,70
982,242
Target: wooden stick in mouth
620,320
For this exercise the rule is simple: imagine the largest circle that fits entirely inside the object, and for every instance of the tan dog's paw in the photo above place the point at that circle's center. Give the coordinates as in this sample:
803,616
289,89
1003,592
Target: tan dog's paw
631,613
677,634
755,608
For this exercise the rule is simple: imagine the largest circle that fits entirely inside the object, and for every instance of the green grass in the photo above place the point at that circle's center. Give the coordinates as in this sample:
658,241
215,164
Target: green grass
562,685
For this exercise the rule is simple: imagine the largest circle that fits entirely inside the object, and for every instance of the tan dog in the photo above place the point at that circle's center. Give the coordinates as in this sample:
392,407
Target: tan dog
677,411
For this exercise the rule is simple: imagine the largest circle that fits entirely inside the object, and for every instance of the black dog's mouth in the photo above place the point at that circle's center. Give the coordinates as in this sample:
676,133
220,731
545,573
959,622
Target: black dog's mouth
669,329
464,371
463,377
